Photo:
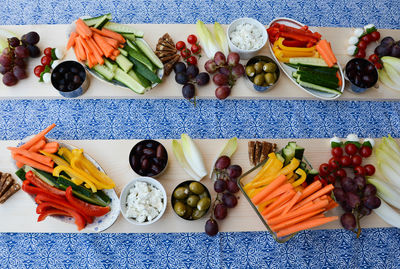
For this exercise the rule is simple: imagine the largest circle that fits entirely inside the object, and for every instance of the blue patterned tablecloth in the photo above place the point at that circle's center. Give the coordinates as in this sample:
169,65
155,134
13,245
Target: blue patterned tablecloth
129,119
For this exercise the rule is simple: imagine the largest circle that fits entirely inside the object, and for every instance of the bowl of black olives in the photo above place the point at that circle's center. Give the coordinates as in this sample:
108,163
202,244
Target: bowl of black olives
362,74
70,79
262,73
191,200
148,158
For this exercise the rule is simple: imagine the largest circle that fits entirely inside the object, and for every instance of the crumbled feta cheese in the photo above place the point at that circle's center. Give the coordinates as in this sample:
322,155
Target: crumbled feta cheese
144,202
247,36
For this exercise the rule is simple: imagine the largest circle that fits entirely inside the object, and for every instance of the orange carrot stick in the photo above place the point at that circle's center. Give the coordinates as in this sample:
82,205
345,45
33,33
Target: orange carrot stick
82,29
36,147
96,53
85,45
114,43
112,34
37,137
71,40
332,205
291,203
93,45
79,50
284,188
324,190
292,221
277,211
324,55
104,46
112,57
116,52
310,189
270,188
305,225
327,46
282,199
33,163
51,147
339,78
33,155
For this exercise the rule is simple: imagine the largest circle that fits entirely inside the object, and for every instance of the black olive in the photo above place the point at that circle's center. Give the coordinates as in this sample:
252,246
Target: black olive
77,80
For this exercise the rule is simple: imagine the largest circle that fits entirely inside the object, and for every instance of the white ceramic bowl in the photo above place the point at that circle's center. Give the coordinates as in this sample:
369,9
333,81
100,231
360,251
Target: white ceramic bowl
246,54
125,193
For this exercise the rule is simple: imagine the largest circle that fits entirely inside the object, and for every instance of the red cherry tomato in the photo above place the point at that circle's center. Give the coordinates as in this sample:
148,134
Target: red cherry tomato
324,169
359,171
46,60
356,160
334,163
340,173
185,53
375,36
195,49
362,45
331,179
323,181
367,38
47,52
378,65
38,70
192,60
360,53
369,169
365,151
350,149
192,39
373,58
345,161
337,152
180,45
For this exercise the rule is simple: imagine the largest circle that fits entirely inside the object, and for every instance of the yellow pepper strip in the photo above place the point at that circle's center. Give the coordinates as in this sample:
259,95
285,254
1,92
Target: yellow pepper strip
89,166
291,180
66,153
283,47
55,158
303,177
73,174
77,181
294,163
274,167
87,177
263,205
279,55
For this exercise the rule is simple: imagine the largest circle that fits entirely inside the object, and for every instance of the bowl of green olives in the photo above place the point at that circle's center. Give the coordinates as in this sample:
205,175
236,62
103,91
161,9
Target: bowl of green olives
191,200
262,73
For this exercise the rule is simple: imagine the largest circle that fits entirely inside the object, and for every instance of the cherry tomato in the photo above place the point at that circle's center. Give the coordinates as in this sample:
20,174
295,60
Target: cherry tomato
47,52
334,163
356,160
365,151
378,65
331,179
350,149
373,58
180,45
324,169
375,36
345,161
360,53
323,181
369,169
359,171
192,39
340,173
192,60
362,45
195,49
337,152
367,38
38,70
46,60
185,53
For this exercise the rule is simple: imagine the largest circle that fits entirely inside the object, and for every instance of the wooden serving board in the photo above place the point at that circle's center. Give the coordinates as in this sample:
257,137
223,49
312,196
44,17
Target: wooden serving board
18,213
55,36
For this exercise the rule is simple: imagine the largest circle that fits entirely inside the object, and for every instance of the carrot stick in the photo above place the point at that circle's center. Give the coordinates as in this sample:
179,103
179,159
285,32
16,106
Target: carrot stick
91,60
104,46
38,145
324,55
292,221
37,137
71,40
82,29
79,50
114,43
324,190
112,57
116,52
277,211
19,164
33,163
85,45
108,33
93,45
305,225
282,199
51,147
325,44
270,188
292,203
339,78
263,205
33,155
96,53
284,188
292,214
121,46
321,215
332,204
310,189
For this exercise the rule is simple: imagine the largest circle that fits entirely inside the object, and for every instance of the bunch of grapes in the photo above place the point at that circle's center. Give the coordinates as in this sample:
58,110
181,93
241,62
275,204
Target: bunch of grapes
12,60
225,186
358,199
188,76
227,71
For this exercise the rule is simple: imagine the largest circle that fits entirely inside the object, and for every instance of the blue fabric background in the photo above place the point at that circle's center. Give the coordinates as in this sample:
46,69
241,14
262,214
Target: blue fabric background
128,119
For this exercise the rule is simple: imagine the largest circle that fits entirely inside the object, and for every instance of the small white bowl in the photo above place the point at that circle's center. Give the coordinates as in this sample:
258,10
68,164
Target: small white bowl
125,193
246,54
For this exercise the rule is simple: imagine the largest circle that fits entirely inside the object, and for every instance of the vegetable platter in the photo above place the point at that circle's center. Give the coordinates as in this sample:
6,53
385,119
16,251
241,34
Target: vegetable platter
76,190
115,53
306,58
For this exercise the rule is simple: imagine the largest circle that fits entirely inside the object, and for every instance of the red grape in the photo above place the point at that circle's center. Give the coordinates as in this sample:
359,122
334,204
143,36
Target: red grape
237,71
223,162
370,190
4,70
224,70
21,52
219,58
211,227
14,42
5,60
220,211
20,62
339,194
365,151
352,199
222,92
348,184
220,186
19,72
233,59
229,200
372,202
365,211
232,186
348,221
337,152
360,182
210,66
9,79
220,79
234,171
351,149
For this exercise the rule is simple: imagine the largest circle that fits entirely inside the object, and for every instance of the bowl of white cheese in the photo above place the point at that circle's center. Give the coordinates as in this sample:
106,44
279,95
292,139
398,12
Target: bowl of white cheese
247,37
143,201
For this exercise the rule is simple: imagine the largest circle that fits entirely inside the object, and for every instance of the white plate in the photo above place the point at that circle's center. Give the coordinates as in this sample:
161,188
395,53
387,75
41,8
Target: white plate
100,223
288,70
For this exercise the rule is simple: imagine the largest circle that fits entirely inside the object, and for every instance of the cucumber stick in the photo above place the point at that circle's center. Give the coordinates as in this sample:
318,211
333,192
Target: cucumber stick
308,61
110,64
140,57
129,37
139,78
44,176
144,71
128,81
104,71
123,29
123,52
317,87
98,22
149,53
124,63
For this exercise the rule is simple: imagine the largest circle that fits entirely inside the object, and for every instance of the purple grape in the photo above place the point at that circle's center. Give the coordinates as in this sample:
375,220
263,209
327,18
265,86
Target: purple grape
365,211
210,66
220,211
202,79
222,92
181,78
225,71
370,190
180,67
14,42
345,206
348,221
219,58
9,79
220,186
232,186
352,200
19,72
229,200
233,59
340,195
348,184
5,60
360,182
20,62
4,70
223,162
234,171
211,227
220,79
387,41
372,202
34,51
188,91
21,52
237,71
192,71
31,38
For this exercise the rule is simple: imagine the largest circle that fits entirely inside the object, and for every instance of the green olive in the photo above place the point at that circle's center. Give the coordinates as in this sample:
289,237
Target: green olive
269,78
192,200
180,208
204,203
204,194
188,212
259,79
269,67
181,193
250,71
197,214
196,187
259,67
275,76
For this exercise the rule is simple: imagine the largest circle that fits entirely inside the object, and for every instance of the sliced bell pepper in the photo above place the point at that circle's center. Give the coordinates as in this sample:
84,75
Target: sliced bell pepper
42,185
79,219
88,209
73,174
65,153
55,158
296,49
76,165
26,187
303,177
50,212
299,37
294,43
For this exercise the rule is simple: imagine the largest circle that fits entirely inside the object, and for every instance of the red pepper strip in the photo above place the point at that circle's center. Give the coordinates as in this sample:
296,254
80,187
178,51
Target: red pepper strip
44,186
294,43
40,198
299,31
50,212
88,209
298,37
79,219
35,190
